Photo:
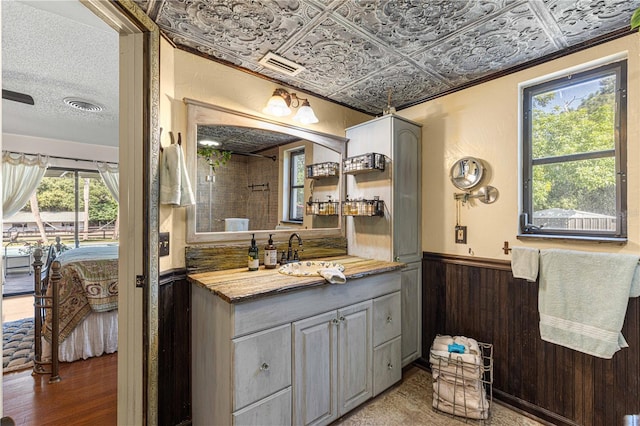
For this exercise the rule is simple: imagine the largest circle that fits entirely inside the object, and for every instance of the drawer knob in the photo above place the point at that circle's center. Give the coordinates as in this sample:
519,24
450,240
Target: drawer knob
264,366
390,366
343,319
389,319
335,321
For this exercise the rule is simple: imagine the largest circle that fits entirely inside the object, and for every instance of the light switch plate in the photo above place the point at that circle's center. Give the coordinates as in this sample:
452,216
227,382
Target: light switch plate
461,234
163,242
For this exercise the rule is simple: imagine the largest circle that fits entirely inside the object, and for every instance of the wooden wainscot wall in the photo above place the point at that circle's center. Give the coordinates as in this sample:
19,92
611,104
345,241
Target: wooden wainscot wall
480,298
174,348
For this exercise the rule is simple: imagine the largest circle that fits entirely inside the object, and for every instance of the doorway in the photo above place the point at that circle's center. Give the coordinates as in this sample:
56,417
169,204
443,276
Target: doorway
138,69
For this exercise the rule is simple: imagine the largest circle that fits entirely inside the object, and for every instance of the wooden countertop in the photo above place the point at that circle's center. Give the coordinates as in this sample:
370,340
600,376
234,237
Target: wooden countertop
239,285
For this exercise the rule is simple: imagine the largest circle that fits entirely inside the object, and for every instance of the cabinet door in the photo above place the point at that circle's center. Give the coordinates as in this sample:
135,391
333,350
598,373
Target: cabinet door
407,202
355,355
315,370
411,312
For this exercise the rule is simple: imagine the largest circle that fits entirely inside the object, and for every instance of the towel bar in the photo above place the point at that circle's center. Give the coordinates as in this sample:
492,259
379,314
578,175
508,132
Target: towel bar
506,247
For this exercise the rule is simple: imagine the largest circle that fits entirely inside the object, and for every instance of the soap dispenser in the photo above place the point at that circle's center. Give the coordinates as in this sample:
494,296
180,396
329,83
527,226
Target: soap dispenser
254,258
270,254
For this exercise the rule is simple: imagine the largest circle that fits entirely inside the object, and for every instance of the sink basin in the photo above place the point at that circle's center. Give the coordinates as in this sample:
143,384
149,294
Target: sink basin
308,268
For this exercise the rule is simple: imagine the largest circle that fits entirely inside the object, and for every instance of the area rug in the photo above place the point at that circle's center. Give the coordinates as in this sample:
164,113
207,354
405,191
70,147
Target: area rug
17,345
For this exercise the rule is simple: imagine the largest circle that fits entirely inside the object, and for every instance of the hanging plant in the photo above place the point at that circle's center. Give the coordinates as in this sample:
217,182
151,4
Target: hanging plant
635,19
215,157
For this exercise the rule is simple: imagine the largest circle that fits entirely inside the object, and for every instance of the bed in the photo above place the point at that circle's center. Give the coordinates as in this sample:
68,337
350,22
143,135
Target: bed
88,304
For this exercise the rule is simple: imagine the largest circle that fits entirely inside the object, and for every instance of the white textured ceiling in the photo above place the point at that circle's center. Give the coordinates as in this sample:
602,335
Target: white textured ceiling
52,50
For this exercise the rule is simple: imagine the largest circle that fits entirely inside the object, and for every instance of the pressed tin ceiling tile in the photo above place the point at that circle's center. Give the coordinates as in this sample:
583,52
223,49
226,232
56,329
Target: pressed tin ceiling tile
354,51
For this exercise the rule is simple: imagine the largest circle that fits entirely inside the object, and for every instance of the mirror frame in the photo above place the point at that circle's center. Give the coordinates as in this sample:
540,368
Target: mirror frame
202,113
466,181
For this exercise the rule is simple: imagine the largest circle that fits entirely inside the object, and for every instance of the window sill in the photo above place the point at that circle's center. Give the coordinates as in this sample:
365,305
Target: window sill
611,240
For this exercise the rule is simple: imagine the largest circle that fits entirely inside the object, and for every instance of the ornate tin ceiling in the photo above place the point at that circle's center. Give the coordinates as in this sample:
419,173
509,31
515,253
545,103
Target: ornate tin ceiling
355,51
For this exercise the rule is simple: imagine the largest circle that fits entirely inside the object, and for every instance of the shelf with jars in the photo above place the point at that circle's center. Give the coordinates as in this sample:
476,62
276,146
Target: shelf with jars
322,208
364,163
323,170
363,207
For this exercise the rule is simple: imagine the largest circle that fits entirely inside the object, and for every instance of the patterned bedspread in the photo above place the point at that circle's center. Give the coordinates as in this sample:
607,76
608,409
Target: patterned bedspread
89,283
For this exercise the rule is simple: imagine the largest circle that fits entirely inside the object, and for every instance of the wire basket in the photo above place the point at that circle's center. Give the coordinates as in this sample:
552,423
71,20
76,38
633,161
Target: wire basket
463,383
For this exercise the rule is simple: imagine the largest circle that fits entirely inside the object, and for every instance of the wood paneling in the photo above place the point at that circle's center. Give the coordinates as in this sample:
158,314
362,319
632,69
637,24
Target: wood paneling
174,349
222,257
481,299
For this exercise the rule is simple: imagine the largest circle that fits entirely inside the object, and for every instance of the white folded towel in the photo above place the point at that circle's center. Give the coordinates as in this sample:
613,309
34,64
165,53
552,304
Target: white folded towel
458,410
583,299
332,275
467,396
525,263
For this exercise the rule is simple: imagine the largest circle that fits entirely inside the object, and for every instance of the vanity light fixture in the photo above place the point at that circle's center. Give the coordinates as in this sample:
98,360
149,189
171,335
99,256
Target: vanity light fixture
279,103
208,142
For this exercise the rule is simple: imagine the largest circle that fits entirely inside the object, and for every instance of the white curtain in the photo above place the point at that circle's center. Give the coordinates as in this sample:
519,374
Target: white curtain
111,176
21,175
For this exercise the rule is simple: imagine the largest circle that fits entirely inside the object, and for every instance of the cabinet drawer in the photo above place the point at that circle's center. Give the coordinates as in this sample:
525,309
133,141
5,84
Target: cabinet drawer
386,318
387,368
273,410
261,365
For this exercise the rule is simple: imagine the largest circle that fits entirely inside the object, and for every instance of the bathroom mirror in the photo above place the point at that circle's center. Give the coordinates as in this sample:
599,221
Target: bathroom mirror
244,187
466,173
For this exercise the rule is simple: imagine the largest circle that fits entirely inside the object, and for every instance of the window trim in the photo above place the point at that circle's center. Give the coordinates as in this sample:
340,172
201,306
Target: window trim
292,154
619,68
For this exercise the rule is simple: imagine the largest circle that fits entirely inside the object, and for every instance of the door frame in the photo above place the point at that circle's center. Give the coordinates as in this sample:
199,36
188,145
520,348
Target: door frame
139,189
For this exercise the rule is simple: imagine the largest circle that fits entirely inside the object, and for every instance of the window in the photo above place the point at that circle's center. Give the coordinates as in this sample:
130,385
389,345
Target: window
74,205
296,186
574,155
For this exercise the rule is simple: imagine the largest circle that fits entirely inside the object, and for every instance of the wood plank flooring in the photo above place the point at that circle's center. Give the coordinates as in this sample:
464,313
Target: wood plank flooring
87,394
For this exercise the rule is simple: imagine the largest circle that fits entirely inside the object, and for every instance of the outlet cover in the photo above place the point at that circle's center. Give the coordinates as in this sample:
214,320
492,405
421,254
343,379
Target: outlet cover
163,242
461,234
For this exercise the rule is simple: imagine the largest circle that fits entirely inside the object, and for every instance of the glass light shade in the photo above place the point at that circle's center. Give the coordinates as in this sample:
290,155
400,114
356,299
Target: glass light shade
305,115
277,106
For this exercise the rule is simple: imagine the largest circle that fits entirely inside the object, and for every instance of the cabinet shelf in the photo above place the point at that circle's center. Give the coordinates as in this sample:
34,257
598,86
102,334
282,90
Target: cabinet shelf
373,207
364,163
322,208
323,170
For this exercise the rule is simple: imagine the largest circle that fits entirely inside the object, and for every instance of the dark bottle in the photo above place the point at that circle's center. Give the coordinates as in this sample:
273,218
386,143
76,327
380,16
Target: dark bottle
254,257
270,255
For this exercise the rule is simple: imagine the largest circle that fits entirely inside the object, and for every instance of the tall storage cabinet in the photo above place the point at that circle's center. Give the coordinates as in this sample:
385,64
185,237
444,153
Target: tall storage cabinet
395,236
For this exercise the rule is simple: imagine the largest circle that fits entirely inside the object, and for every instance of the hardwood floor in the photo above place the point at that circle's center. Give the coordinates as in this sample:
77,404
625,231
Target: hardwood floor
87,394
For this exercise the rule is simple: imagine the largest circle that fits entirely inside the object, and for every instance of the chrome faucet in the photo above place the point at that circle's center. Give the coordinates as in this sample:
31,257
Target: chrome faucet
292,256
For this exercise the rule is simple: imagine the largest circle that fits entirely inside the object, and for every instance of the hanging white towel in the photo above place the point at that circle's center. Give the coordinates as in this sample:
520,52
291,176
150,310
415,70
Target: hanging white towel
175,187
525,263
583,299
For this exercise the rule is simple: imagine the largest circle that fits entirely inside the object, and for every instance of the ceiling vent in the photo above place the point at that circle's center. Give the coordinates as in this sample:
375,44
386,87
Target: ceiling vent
82,105
280,64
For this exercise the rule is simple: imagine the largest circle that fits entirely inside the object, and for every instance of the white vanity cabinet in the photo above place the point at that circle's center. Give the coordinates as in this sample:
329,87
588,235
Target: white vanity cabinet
301,357
396,236
332,364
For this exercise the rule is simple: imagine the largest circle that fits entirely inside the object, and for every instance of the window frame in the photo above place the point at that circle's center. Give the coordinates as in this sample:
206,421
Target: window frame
525,228
292,188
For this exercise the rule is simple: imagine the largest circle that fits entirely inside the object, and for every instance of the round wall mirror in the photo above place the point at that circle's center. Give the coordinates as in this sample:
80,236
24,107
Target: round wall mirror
466,173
